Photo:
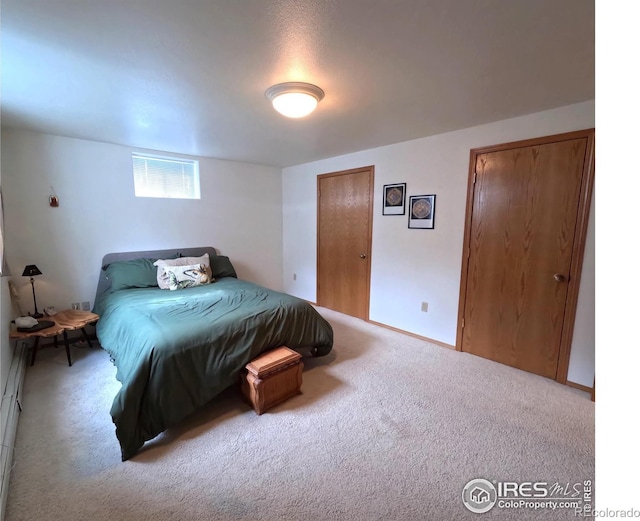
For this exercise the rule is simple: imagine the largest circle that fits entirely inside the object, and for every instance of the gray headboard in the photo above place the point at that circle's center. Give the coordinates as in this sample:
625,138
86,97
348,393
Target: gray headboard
104,284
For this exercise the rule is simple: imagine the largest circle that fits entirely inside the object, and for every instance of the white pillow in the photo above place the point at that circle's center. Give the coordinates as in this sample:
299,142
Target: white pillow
163,278
181,277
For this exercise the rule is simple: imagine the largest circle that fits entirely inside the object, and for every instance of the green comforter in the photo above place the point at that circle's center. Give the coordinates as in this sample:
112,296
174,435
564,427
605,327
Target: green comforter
176,350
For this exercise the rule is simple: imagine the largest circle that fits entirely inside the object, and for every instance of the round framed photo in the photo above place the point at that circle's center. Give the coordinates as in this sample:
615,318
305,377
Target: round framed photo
422,210
393,199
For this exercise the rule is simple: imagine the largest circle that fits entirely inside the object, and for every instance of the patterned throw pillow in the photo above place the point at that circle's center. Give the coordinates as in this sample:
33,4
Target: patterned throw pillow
163,276
181,277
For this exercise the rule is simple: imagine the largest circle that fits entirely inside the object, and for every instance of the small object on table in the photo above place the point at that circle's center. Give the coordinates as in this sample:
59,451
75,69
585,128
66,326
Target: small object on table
272,378
42,324
25,322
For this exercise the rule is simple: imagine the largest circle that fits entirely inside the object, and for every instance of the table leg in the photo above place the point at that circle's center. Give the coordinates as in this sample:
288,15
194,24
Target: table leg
35,349
55,341
66,346
86,337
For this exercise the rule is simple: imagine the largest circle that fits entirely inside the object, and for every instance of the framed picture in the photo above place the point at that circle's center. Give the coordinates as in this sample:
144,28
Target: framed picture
394,199
422,211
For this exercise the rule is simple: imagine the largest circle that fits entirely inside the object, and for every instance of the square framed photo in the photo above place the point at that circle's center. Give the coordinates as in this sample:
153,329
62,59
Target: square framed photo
393,202
422,211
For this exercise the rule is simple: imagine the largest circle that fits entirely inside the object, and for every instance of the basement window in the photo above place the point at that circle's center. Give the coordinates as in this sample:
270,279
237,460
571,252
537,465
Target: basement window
165,177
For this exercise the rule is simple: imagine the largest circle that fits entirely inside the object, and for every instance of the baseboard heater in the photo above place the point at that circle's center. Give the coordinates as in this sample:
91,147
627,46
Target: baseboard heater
9,412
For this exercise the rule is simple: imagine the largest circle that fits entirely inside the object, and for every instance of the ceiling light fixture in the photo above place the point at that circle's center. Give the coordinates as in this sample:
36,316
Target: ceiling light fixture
294,99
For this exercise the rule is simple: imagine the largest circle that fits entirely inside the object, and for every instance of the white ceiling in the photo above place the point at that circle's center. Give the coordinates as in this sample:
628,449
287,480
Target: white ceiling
188,76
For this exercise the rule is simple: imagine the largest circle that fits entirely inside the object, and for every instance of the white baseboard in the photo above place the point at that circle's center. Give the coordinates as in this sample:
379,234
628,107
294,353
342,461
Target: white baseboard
9,412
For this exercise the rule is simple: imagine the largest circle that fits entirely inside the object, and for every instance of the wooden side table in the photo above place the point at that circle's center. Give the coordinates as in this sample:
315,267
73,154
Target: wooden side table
66,320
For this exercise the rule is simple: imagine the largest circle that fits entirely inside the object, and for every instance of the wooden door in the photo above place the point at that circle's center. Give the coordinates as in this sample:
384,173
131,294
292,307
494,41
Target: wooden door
524,242
345,213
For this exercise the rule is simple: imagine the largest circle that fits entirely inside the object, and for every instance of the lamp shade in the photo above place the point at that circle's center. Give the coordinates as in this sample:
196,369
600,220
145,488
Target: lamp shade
294,99
31,270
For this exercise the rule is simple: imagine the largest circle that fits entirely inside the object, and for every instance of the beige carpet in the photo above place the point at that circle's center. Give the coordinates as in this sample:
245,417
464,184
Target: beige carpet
388,428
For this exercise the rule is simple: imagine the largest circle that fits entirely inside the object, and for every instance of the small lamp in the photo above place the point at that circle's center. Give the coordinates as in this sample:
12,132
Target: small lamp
32,270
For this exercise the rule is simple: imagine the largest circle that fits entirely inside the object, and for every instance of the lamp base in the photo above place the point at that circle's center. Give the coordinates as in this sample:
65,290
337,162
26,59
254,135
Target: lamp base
37,315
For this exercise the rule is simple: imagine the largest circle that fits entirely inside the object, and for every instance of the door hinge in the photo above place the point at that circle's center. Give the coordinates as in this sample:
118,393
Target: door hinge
462,322
475,175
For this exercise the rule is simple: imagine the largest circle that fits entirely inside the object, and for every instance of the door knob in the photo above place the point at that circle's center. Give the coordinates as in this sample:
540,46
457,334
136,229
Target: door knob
363,256
558,277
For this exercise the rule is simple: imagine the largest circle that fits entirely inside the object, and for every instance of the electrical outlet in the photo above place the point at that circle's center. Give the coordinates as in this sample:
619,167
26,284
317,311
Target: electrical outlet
295,277
75,305
86,306
425,306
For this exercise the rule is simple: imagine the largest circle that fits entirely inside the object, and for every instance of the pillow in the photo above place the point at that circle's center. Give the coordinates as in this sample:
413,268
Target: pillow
181,277
221,267
136,273
163,278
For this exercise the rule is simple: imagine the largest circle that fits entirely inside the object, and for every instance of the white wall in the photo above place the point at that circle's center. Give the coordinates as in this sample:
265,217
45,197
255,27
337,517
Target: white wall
6,349
581,364
412,266
239,213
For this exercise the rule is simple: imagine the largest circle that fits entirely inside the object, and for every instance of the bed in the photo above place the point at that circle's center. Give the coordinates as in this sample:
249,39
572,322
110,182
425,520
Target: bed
174,351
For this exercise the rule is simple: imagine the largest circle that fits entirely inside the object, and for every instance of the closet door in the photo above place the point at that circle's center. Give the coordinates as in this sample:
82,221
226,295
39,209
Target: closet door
524,244
345,204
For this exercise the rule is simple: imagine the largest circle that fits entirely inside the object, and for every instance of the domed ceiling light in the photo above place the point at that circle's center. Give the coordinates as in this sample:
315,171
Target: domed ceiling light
294,99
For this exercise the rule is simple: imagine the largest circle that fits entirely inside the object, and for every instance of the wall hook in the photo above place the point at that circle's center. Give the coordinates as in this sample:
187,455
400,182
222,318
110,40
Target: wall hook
53,199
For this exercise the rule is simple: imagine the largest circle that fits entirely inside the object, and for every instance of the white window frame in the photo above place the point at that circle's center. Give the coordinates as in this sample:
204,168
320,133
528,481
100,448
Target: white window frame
195,176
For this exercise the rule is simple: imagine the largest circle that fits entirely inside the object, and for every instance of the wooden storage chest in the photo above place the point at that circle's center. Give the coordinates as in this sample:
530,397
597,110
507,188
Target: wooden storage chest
272,378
